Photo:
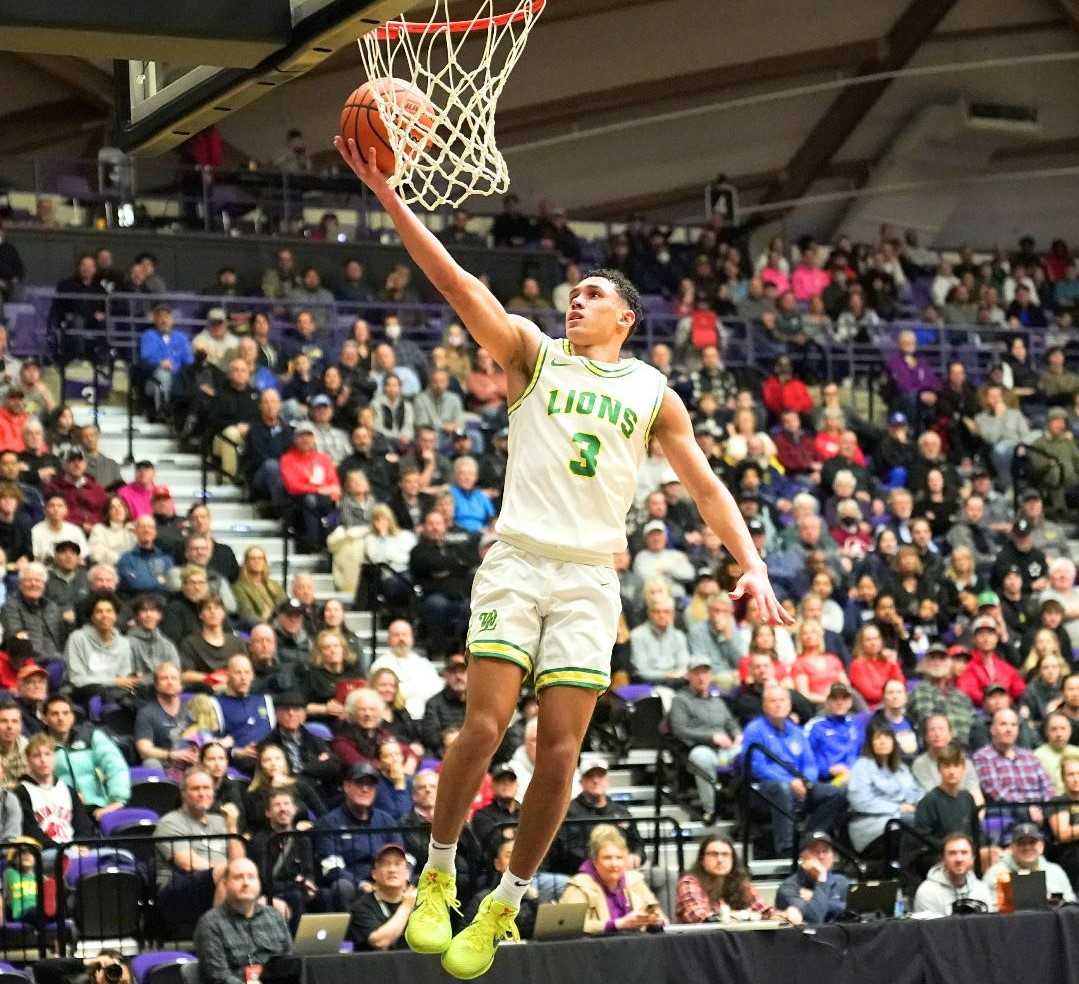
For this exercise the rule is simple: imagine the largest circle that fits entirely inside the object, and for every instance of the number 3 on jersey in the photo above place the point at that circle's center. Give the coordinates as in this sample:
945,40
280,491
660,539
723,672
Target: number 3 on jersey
588,450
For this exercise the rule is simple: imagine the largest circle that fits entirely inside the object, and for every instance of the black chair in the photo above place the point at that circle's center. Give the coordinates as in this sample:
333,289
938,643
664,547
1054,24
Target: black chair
108,905
159,795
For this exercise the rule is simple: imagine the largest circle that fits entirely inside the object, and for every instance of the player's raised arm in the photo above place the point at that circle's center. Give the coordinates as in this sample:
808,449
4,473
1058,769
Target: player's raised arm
512,341
716,504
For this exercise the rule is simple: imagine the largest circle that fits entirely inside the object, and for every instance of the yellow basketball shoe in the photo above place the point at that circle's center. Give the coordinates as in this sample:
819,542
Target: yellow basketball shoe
473,949
429,929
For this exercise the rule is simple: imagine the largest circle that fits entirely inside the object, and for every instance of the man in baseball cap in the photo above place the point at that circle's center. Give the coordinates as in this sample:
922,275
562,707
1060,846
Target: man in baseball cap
488,822
593,804
814,894
347,861
985,666
701,720
1020,551
379,916
1026,853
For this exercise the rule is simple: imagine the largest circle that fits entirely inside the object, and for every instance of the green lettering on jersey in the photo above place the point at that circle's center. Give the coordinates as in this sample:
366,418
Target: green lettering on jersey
586,402
610,409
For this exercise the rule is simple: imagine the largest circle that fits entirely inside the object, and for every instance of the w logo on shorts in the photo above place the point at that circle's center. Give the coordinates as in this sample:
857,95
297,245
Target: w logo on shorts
488,620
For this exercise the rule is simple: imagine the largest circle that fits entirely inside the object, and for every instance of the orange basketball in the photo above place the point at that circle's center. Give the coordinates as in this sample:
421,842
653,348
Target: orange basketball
361,121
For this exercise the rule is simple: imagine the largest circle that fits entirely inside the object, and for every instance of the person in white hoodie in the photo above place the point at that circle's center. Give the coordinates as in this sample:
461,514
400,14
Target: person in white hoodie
952,879
98,656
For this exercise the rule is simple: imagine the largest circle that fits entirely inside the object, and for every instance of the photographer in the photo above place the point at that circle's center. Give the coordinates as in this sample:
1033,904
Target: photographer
107,967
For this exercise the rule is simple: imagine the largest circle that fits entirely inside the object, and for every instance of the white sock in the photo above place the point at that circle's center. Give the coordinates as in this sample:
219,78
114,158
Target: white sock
511,889
442,857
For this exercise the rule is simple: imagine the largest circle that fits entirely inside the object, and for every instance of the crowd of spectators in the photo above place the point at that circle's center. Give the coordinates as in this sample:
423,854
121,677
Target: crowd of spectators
925,557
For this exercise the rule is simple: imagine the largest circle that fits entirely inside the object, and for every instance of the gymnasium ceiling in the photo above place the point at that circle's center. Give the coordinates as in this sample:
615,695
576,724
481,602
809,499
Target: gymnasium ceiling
627,65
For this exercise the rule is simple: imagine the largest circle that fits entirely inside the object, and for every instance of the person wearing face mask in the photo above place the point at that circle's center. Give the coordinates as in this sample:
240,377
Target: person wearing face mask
407,352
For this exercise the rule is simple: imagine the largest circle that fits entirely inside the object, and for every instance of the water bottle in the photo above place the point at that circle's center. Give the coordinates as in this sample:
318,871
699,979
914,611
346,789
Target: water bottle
900,905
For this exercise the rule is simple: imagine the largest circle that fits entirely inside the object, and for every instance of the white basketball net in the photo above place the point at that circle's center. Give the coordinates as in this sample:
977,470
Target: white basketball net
461,67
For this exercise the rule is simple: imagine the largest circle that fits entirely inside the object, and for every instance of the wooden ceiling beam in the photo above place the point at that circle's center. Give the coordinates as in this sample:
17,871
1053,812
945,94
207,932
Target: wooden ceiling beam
85,80
836,124
49,123
689,85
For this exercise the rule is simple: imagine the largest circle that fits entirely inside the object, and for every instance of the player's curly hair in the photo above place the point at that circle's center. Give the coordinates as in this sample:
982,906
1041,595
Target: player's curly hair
624,288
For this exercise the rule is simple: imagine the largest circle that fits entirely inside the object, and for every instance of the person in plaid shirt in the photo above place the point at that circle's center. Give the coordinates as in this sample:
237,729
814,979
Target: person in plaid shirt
938,694
1008,773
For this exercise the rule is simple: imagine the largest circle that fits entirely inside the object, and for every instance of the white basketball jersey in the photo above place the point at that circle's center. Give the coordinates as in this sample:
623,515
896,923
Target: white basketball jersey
578,434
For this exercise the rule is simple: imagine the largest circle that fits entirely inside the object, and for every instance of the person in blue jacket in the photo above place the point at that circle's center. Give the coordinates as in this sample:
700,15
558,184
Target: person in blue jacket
344,846
816,892
144,569
163,352
791,788
836,735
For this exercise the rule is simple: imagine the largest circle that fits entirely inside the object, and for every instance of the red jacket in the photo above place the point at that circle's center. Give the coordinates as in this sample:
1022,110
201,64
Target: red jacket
85,503
791,395
978,675
868,677
11,426
795,457
308,473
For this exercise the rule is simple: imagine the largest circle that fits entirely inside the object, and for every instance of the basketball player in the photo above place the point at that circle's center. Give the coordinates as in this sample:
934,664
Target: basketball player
545,602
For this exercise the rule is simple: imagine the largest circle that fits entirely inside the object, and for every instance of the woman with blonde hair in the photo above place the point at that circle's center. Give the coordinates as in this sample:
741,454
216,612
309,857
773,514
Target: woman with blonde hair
871,666
332,619
405,728
815,670
206,724
1046,669
346,540
618,898
739,432
387,549
329,665
273,773
257,594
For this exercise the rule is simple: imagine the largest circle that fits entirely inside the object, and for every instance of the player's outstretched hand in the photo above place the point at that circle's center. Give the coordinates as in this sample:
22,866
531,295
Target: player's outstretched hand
366,169
755,583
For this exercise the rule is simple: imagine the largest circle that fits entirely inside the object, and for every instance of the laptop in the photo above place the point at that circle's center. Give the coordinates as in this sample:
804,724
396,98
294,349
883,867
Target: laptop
320,934
1029,890
560,920
873,896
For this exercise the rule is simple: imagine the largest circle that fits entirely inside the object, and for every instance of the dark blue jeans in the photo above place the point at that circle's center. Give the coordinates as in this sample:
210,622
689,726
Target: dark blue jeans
822,807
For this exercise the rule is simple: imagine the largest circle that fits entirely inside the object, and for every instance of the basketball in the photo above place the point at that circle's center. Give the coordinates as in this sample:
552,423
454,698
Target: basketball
361,121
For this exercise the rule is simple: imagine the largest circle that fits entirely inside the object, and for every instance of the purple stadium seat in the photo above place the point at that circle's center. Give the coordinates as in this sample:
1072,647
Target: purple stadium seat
143,963
100,861
139,773
128,816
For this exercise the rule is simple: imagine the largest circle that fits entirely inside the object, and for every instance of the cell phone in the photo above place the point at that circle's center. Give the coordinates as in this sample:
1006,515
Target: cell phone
652,908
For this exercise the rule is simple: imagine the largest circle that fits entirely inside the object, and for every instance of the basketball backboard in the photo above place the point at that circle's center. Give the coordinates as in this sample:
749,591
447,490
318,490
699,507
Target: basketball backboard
165,96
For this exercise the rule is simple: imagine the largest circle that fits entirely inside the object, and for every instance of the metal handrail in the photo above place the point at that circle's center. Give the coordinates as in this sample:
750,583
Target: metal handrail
748,789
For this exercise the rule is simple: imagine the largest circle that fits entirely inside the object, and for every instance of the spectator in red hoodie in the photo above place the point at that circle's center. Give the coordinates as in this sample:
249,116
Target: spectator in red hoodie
783,392
86,499
310,477
795,449
986,667
13,418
